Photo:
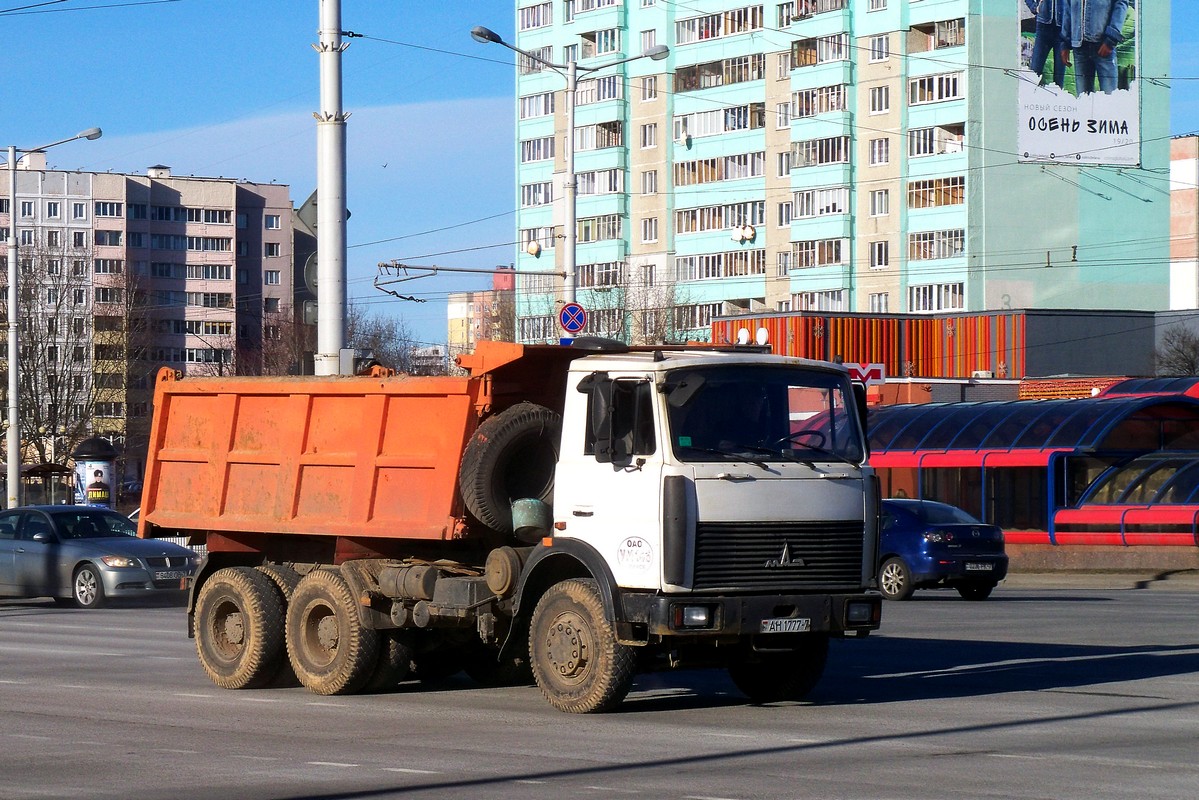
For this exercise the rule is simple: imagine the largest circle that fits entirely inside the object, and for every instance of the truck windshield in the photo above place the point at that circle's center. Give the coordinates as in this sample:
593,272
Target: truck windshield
761,413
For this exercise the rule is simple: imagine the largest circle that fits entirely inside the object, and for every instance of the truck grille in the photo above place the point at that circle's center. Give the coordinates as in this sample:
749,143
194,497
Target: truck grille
778,555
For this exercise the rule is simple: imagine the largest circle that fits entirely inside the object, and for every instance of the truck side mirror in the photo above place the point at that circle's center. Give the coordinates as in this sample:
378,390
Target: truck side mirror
600,389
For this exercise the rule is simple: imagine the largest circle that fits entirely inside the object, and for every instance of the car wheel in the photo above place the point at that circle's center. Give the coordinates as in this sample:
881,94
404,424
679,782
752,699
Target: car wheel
331,650
895,579
976,591
239,628
577,662
87,589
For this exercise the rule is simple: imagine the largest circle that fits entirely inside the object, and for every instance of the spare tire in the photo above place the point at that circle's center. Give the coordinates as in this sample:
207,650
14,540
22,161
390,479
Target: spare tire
511,456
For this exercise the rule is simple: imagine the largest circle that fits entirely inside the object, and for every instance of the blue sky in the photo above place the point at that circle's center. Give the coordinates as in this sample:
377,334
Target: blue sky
228,87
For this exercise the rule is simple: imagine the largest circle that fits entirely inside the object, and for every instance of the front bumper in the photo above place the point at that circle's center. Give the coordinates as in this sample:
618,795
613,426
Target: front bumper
738,616
137,582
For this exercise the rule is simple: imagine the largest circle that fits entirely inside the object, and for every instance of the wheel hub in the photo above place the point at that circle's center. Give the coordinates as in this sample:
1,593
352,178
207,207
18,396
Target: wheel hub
234,628
326,633
568,646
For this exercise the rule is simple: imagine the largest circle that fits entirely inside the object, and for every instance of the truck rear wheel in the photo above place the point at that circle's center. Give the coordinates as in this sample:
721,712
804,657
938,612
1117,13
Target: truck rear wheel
330,649
772,677
285,580
510,457
394,663
577,662
239,628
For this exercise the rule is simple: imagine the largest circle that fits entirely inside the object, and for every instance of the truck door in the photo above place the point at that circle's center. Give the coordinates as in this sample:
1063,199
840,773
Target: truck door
608,486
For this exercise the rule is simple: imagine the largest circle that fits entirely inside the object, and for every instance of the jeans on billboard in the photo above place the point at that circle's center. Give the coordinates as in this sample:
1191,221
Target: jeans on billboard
1046,43
1088,65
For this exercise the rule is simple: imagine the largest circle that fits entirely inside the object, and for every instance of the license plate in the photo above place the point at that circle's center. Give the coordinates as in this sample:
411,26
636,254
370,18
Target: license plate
978,567
169,575
786,625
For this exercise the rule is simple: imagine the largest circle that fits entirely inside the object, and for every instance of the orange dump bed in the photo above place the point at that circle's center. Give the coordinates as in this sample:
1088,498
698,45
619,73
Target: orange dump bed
348,456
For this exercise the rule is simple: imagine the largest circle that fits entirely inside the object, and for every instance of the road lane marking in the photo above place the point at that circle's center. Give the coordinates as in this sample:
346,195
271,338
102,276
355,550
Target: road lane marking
257,758
612,789
193,694
331,764
408,771
328,705
176,752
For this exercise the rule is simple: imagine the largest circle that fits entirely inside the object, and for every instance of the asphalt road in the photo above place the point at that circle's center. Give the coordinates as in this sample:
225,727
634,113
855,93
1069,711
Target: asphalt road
1040,692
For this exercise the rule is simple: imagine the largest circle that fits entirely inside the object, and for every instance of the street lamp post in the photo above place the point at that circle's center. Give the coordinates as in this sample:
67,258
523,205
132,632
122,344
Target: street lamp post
13,436
657,53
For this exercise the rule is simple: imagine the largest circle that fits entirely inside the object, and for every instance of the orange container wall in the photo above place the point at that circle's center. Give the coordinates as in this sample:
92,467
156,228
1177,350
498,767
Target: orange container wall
363,457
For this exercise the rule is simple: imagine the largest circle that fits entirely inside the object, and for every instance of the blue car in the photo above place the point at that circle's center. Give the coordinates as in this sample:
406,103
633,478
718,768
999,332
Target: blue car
925,544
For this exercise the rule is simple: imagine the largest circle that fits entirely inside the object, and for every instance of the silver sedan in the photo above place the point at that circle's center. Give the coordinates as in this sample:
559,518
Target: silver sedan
83,555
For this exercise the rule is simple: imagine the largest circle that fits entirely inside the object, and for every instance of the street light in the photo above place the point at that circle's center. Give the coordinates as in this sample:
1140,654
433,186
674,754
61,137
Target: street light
13,436
656,53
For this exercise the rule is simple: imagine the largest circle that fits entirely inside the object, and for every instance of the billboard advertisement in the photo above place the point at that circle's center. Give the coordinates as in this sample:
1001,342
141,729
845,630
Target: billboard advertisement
1078,82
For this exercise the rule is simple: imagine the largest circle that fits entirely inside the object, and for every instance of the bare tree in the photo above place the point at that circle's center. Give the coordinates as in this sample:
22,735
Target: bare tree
1179,352
387,338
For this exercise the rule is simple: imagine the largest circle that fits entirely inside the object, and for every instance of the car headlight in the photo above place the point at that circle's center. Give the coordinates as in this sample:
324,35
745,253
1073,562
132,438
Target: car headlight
119,561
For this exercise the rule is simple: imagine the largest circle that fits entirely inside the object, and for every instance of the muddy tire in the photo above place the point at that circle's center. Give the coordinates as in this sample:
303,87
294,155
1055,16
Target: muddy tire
285,580
330,650
577,662
774,677
510,457
239,628
394,663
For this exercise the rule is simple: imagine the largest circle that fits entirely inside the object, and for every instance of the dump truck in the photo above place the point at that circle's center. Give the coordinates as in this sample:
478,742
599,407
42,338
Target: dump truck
565,515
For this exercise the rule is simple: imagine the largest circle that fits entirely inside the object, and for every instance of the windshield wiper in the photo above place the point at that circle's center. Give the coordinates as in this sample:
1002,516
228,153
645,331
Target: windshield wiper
738,452
835,456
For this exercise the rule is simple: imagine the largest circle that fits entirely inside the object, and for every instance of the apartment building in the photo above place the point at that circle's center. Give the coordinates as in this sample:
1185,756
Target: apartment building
123,274
885,156
488,314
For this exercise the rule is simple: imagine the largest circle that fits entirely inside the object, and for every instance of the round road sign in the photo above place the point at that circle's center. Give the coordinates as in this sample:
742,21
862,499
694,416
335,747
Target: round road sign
572,318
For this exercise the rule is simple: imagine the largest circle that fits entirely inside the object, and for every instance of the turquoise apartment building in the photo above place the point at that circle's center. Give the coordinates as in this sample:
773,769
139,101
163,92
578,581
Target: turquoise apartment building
894,156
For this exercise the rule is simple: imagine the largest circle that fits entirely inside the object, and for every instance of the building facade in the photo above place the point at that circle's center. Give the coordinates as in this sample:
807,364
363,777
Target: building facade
124,274
489,314
861,156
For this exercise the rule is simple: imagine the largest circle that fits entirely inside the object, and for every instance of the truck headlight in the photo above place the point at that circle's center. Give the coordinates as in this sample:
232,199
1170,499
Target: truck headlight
692,616
859,613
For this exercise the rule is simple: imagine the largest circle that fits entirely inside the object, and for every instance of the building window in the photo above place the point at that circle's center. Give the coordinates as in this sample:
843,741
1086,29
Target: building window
536,194
107,209
784,214
880,255
720,217
53,238
78,239
535,16
880,99
879,303
880,202
827,300
649,136
108,238
27,209
821,253
271,305
820,50
271,222
937,192
821,202
880,151
649,88
649,229
648,39
935,88
786,260
79,210
271,277
880,48
932,245
782,116
271,249
108,266
715,26
53,209
539,149
242,220
649,182
529,65
936,297
877,5
106,294
783,164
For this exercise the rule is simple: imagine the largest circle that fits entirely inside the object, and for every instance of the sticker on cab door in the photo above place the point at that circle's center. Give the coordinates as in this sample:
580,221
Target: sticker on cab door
634,553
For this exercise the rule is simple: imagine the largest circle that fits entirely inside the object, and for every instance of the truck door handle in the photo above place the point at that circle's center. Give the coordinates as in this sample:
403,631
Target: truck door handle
580,513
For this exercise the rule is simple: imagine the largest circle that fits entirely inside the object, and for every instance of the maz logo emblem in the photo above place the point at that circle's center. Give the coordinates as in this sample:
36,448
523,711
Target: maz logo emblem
785,560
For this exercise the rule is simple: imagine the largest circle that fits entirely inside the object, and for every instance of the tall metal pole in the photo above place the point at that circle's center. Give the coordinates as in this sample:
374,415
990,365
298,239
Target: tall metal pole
13,436
571,186
331,196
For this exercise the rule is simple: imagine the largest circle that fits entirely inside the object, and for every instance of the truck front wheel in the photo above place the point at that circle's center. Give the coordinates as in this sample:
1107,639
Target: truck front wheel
330,649
772,677
239,628
577,662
